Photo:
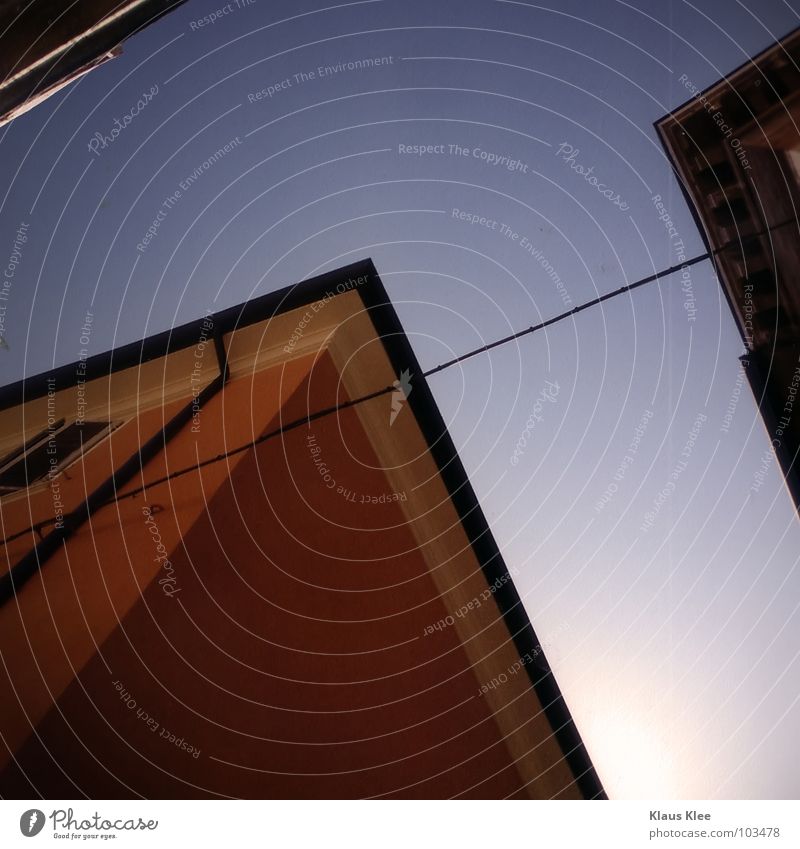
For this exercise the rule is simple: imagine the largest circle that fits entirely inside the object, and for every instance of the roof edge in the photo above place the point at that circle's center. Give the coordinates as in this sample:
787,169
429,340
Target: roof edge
728,79
185,335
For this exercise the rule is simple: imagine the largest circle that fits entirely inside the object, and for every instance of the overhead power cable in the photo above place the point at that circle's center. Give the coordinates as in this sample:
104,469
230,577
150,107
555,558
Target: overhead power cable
304,420
593,303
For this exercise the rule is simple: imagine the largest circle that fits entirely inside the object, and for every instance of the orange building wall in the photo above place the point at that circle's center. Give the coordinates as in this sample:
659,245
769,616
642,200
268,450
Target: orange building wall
54,625
294,670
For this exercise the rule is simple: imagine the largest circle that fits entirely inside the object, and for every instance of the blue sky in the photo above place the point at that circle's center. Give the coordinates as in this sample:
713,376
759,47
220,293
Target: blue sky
674,639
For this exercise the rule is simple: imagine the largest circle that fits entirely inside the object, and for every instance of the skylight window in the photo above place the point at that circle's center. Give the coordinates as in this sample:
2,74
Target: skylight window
49,453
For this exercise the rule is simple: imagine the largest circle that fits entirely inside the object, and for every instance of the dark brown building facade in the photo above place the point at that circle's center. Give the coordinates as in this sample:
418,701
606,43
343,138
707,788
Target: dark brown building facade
735,148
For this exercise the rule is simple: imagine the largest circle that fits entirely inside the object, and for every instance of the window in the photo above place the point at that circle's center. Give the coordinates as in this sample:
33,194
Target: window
48,453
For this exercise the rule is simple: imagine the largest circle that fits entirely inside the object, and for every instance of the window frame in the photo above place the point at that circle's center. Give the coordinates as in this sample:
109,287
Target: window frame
20,453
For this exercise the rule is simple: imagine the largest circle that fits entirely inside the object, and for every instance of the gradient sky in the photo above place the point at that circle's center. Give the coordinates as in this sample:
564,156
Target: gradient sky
676,646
